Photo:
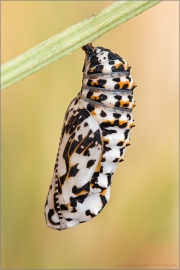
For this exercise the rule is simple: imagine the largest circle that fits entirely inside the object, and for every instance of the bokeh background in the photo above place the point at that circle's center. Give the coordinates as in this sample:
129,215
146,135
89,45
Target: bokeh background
139,226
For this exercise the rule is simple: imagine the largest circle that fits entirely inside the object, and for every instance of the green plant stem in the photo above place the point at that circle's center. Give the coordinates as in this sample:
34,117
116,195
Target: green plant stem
70,40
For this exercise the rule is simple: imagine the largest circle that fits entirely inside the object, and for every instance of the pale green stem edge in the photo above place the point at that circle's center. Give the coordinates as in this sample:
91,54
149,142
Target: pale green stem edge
70,40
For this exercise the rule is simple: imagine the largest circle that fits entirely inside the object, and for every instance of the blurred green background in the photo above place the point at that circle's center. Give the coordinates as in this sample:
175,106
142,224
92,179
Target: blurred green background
139,226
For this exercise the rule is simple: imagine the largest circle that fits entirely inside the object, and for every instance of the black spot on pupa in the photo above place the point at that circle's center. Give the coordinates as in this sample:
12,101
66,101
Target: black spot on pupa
130,98
120,68
101,83
87,153
120,143
126,133
74,210
89,94
98,69
74,144
117,115
80,137
69,219
50,215
116,160
111,62
76,101
103,114
88,213
90,163
109,177
123,125
102,97
128,116
122,151
106,149
90,107
129,78
73,171
73,202
116,79
118,97
103,200
63,207
106,132
114,56
117,104
85,187
55,167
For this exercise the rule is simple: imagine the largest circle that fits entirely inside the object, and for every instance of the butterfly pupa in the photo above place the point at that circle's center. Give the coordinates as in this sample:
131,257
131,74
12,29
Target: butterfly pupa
93,141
